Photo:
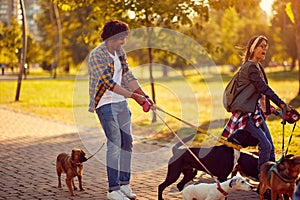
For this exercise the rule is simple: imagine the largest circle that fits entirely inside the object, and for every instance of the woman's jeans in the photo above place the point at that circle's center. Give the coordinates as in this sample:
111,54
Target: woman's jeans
297,193
265,145
115,119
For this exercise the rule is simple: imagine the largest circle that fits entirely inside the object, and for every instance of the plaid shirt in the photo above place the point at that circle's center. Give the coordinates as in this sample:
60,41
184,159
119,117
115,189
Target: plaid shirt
238,121
101,71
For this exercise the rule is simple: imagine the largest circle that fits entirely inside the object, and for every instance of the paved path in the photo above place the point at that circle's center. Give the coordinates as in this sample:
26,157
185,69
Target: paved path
29,146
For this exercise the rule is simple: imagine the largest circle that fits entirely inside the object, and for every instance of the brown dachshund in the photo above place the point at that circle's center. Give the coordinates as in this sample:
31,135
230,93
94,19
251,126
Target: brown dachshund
279,177
72,166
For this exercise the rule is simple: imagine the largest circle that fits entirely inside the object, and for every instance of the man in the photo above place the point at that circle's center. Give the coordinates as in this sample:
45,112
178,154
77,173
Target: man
110,83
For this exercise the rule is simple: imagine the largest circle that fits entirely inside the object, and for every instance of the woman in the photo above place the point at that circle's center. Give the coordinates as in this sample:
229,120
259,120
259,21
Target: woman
249,109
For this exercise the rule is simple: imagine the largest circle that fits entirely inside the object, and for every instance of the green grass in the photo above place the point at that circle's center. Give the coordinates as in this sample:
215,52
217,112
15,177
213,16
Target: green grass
49,98
196,98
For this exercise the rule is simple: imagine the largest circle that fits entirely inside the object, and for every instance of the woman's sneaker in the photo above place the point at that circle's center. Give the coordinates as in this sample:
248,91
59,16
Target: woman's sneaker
127,191
116,195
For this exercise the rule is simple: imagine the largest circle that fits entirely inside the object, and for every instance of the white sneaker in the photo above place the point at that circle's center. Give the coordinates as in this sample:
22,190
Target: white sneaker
116,195
127,191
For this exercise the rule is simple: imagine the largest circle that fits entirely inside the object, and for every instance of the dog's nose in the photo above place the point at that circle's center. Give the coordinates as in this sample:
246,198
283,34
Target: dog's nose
252,187
83,159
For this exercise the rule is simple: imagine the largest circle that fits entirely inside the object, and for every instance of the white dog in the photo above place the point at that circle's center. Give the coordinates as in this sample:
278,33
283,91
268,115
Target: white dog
206,191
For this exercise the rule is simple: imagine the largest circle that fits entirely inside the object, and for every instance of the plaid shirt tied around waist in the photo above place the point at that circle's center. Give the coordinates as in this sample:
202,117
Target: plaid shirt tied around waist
238,121
101,71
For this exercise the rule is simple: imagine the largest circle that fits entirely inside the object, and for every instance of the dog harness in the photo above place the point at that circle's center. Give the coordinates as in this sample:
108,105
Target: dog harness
276,172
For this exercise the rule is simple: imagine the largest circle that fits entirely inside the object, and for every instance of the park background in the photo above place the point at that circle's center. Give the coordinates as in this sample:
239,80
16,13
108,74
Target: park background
69,30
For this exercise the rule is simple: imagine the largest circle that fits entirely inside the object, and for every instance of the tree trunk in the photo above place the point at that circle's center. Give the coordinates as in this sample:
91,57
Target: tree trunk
296,12
24,49
150,70
59,37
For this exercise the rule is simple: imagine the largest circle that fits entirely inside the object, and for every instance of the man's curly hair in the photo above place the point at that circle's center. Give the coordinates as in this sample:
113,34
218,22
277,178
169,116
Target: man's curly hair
114,29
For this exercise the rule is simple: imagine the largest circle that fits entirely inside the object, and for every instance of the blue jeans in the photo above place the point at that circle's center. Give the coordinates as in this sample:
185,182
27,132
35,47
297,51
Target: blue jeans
297,193
115,119
265,145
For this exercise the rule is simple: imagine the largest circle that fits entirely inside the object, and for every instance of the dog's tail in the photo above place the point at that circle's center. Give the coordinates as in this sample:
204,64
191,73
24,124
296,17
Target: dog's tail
180,143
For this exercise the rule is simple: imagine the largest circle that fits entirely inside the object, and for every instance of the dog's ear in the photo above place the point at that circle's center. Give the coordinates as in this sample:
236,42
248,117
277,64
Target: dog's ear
233,180
296,159
289,156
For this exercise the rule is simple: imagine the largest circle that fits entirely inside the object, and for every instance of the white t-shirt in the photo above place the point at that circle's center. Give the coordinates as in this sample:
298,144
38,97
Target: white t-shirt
110,96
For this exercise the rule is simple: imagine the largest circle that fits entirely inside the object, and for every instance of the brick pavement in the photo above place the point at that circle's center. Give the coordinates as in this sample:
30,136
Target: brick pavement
30,144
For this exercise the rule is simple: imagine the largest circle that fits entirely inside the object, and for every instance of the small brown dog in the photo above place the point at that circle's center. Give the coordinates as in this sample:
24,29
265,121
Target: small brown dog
280,178
72,166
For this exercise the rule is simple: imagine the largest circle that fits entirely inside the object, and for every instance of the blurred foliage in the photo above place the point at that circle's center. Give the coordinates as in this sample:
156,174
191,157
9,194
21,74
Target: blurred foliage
11,45
223,28
284,34
10,42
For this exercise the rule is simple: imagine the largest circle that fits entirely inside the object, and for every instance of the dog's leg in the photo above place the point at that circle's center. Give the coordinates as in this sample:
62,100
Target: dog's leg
274,196
189,174
282,197
69,181
58,171
73,183
262,191
80,183
288,196
173,174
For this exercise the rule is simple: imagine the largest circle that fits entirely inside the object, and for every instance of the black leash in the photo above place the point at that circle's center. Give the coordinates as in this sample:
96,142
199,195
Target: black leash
290,139
283,124
287,149
96,151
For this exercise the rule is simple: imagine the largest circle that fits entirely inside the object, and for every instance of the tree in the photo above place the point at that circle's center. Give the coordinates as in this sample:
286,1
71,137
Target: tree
296,12
45,32
24,50
68,27
169,14
10,43
284,46
227,32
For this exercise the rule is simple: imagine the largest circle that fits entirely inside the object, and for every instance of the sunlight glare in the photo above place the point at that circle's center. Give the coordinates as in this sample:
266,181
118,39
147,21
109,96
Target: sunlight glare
266,5
131,14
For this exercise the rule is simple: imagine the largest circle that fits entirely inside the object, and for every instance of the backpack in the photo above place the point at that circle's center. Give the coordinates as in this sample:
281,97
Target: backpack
234,90
230,92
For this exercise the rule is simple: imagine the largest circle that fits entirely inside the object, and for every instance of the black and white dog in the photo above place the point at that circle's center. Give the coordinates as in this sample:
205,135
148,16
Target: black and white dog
219,160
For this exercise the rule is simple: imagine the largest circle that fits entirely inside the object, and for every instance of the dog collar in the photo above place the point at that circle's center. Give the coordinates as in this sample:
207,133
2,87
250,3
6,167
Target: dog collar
221,190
